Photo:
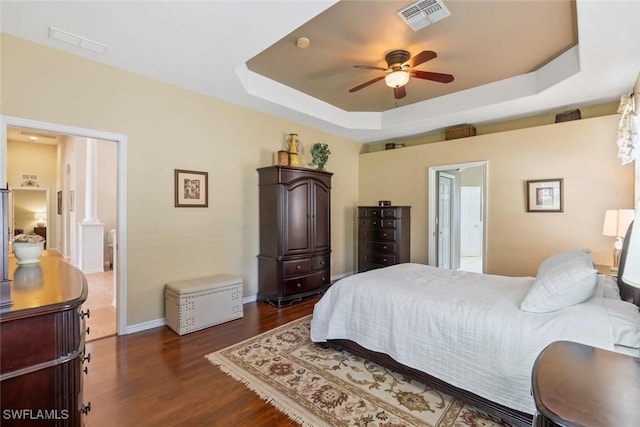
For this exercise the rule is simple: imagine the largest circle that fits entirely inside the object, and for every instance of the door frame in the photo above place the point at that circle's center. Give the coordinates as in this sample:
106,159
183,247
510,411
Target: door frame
121,140
432,202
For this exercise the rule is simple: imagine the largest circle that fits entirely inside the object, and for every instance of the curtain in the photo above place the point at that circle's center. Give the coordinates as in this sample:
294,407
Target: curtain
627,135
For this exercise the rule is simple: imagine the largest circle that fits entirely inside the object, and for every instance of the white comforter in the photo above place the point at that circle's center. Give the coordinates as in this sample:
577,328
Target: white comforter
463,328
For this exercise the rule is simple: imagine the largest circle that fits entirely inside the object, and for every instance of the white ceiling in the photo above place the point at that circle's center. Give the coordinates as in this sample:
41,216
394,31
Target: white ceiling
204,46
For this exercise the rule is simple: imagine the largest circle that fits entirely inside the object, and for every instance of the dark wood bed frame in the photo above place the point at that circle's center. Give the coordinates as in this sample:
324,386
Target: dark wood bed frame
513,416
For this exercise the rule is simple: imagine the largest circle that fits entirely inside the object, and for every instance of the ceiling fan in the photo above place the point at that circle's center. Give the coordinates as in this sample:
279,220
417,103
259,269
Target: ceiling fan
399,71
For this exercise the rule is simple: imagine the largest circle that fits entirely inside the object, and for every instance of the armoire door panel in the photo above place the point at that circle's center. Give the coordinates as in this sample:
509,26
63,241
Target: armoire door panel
322,219
296,221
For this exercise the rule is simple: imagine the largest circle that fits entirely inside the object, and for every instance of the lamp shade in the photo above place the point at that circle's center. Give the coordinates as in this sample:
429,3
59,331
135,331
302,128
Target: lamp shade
397,78
616,222
631,273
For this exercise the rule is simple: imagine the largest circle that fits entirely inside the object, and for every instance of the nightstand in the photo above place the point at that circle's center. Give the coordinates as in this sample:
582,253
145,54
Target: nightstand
41,231
578,385
606,269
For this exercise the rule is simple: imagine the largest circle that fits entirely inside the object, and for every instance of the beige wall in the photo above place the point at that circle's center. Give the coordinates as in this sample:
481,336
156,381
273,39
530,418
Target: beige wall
169,128
582,152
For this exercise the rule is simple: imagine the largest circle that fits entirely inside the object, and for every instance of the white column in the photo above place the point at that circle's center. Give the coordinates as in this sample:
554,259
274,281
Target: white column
91,230
91,183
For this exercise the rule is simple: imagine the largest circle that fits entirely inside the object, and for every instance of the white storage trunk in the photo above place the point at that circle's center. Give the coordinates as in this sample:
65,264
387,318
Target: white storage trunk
196,304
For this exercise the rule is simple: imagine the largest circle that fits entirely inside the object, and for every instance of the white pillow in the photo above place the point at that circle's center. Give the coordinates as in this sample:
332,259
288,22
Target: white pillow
563,280
561,257
625,322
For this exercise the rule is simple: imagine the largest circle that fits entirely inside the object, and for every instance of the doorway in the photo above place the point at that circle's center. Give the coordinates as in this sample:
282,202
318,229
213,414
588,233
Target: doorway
456,213
119,281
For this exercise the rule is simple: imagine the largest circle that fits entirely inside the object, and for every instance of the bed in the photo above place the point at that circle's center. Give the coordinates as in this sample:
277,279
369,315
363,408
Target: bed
476,336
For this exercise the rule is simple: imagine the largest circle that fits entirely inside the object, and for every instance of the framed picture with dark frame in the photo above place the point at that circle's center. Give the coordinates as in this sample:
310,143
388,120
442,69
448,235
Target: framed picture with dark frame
59,206
545,195
192,189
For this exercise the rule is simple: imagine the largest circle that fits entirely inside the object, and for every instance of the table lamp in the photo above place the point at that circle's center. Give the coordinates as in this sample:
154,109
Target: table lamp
41,217
616,222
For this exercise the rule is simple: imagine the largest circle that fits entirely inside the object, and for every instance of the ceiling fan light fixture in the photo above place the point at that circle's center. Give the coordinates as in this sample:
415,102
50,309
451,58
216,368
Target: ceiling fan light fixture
397,78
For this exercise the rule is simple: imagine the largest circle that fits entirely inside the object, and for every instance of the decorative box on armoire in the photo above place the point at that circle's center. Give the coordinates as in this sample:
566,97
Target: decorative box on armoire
384,236
295,233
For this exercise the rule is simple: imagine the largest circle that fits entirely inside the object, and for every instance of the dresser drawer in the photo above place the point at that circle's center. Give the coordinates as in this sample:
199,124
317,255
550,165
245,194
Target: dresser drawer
296,267
381,259
376,247
320,262
380,234
307,283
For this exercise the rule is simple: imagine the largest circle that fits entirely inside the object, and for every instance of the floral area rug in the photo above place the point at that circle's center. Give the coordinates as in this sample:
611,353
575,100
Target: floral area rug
318,386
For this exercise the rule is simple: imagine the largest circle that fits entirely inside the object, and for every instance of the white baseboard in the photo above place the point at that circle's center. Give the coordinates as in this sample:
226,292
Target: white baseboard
139,327
341,275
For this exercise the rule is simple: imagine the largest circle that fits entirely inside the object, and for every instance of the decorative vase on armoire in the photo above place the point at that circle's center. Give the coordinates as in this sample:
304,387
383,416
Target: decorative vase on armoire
294,145
295,234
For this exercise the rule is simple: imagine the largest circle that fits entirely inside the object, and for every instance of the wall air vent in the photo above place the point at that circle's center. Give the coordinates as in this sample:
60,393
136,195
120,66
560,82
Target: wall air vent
29,180
76,40
423,13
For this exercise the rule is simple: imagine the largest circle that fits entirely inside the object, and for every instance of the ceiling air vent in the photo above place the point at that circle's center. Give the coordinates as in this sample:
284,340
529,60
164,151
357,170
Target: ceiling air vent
423,13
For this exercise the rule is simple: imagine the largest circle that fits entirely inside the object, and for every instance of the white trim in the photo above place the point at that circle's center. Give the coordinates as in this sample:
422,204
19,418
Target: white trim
121,140
139,327
432,203
341,275
250,298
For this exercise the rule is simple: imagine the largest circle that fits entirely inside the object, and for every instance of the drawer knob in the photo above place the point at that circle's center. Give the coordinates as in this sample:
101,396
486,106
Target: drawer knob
324,279
86,314
384,247
298,267
88,330
384,260
322,263
87,358
384,234
299,285
86,370
85,409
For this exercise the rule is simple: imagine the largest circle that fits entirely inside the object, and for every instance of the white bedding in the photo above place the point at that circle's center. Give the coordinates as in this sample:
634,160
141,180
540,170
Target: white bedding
463,328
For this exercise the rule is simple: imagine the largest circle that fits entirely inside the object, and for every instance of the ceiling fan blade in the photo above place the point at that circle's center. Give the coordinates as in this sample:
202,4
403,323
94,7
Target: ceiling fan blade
365,84
399,92
370,67
422,57
436,77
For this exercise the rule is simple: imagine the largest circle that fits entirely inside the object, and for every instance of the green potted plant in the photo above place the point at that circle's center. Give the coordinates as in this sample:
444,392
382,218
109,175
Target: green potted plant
320,154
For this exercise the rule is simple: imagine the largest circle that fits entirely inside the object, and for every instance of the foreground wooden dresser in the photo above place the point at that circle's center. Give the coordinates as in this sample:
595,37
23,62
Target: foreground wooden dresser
578,385
42,337
384,236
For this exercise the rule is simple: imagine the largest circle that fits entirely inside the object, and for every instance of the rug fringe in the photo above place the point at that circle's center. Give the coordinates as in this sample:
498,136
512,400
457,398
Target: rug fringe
270,396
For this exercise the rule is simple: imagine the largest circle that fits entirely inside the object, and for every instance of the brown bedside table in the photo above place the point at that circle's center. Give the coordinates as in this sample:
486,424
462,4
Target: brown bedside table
606,269
578,385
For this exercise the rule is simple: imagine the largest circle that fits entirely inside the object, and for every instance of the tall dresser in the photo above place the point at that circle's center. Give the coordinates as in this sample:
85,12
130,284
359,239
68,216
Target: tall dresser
384,236
42,352
295,233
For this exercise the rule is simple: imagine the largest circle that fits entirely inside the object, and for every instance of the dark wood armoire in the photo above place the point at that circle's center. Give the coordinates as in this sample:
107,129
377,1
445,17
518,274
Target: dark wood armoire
295,233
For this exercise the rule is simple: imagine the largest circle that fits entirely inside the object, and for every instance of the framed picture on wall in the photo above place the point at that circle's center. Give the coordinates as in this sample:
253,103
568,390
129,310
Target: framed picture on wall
59,205
192,189
545,195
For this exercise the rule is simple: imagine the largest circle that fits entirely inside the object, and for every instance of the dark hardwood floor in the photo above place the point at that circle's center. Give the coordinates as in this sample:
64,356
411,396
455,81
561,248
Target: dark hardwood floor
158,378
